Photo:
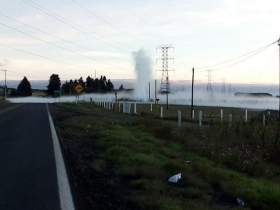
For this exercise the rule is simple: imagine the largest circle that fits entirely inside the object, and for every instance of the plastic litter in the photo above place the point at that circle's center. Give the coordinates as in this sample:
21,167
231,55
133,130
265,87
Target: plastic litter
87,128
188,161
175,178
240,202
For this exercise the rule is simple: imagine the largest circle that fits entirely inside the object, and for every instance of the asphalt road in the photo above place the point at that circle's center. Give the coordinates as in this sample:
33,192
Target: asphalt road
28,177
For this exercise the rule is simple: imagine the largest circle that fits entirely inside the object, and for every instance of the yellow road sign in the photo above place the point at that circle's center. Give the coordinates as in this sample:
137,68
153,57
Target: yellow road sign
79,88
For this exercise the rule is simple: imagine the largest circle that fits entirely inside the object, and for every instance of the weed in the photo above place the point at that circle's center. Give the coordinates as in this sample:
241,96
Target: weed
238,160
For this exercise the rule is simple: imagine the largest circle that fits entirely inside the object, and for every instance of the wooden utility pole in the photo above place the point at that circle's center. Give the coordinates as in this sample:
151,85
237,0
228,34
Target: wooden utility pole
149,91
5,83
167,79
192,91
279,78
155,91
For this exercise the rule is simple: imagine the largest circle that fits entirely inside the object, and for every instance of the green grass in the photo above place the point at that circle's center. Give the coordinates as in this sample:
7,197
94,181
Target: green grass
3,101
147,152
209,113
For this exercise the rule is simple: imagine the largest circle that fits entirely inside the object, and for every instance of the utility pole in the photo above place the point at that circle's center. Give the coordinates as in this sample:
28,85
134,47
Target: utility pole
209,85
70,87
279,78
167,95
149,91
224,87
5,83
192,91
155,91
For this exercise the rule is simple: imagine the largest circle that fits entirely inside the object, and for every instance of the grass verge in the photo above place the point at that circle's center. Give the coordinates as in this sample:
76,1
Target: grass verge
146,153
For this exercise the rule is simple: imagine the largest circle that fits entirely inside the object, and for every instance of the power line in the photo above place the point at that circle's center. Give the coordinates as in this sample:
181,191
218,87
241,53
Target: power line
37,7
61,47
53,59
79,25
254,84
58,37
243,59
110,23
117,27
260,49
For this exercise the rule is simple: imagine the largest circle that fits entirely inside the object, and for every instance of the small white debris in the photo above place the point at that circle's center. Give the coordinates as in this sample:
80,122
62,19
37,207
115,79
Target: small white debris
87,128
175,178
240,202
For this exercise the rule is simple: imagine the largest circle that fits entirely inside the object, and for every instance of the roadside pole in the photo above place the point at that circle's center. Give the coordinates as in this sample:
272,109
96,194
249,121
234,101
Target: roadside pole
78,89
192,116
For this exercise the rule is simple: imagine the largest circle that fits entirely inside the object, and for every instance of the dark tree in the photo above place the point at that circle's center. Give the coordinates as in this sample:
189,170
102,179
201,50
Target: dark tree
102,84
14,92
81,81
75,82
121,87
24,88
89,82
109,85
66,87
91,85
54,84
96,87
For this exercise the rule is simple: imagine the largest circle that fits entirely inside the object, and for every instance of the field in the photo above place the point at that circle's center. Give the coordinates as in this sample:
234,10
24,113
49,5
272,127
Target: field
122,161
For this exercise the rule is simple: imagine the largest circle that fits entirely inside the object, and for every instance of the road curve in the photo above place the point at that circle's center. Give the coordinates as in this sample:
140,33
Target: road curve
28,178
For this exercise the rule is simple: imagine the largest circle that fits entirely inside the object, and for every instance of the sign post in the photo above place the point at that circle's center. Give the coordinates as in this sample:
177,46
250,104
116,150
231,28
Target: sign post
78,88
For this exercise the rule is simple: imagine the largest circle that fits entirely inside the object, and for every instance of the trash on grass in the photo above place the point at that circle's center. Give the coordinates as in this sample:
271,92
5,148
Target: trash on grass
87,128
240,202
175,178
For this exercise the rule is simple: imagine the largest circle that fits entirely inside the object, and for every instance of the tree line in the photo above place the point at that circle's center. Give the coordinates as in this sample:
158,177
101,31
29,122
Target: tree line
90,85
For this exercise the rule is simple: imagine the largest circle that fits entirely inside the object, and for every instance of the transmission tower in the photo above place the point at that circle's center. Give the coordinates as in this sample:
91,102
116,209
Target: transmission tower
229,89
223,87
165,85
209,85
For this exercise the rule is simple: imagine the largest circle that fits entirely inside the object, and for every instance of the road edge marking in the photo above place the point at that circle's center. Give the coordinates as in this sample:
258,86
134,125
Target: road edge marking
65,196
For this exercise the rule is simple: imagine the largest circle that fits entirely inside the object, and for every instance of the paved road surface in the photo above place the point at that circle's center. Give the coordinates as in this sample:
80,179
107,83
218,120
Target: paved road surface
28,177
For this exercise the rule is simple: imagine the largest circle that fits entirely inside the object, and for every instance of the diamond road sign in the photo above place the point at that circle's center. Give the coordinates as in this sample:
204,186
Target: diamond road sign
79,88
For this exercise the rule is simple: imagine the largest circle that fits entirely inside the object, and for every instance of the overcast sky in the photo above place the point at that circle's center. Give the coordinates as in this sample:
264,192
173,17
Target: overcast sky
78,39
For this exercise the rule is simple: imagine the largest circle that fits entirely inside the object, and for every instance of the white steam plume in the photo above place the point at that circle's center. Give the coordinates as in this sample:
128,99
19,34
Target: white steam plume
143,71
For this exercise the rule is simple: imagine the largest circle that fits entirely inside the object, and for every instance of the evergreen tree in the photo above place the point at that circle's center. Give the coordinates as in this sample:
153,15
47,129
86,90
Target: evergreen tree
24,88
14,92
75,82
121,87
81,81
90,85
102,84
71,87
109,85
66,87
54,84
96,84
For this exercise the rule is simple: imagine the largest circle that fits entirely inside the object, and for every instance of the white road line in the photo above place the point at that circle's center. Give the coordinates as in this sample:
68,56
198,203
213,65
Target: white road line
66,201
